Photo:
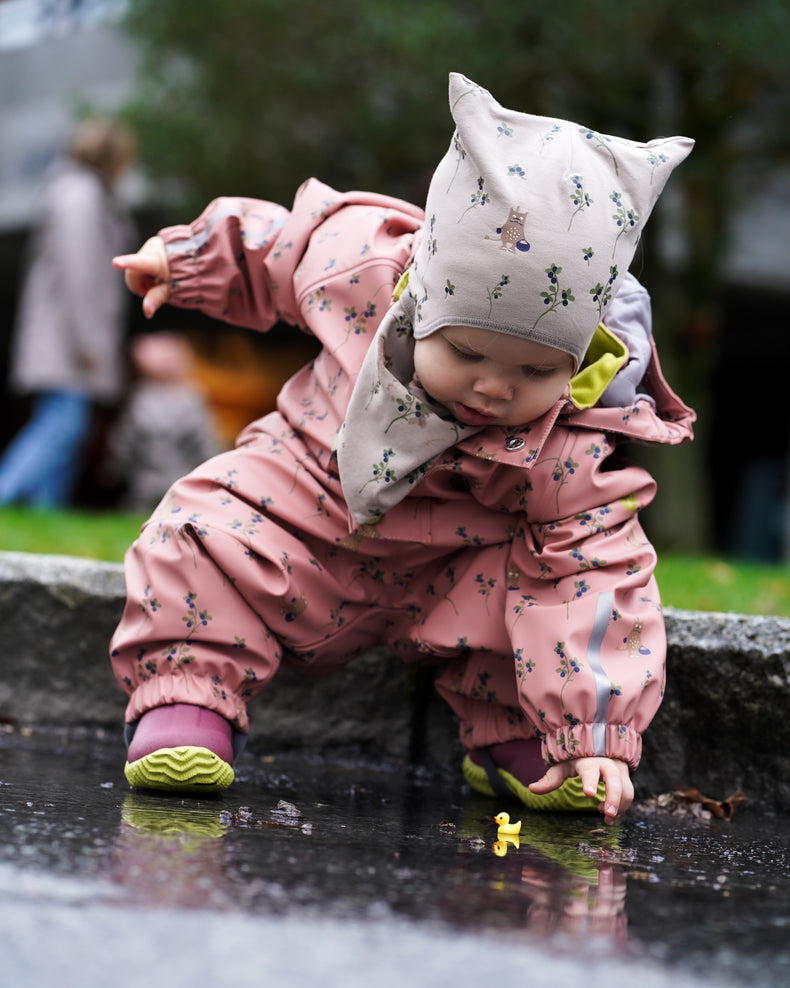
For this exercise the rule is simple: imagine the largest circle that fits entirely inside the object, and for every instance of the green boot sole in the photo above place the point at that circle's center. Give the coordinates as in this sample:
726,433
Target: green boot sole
569,798
183,769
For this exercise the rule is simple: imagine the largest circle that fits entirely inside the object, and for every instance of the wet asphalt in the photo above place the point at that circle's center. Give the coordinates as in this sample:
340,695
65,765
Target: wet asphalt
341,872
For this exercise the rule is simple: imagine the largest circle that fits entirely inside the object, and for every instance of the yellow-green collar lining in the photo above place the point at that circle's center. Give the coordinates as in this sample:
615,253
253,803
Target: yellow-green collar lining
605,355
399,289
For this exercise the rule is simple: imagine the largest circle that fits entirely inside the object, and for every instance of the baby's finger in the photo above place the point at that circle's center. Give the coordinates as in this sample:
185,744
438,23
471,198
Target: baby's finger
155,298
613,797
626,789
124,261
619,791
146,268
140,273
144,262
590,774
552,780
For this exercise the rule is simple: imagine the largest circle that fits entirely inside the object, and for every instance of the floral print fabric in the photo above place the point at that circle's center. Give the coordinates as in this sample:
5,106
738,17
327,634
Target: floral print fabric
517,561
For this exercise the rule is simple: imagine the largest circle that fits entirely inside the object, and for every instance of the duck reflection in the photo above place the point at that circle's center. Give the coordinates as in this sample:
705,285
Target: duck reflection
559,876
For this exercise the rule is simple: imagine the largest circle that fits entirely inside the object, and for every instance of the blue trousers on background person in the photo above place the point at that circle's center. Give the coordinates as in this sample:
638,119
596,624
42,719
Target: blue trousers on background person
41,465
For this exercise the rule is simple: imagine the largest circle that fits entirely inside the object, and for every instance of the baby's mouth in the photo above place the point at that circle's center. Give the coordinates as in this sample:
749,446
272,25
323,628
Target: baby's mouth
472,416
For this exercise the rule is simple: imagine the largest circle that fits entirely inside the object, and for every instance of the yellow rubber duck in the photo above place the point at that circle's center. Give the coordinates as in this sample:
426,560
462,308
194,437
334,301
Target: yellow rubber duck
506,828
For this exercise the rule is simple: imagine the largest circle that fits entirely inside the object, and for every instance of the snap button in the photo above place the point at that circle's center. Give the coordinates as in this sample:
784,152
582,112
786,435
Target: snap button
513,443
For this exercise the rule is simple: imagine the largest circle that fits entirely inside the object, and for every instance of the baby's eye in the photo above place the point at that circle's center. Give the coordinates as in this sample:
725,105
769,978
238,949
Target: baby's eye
464,354
533,372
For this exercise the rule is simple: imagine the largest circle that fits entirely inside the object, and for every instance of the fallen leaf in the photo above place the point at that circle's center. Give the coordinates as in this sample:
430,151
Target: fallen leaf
688,801
723,809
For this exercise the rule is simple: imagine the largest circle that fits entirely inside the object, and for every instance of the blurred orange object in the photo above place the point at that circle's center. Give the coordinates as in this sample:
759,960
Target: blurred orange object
241,377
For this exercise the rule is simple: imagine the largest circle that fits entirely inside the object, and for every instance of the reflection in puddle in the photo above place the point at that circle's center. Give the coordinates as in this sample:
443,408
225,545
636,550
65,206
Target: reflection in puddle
345,840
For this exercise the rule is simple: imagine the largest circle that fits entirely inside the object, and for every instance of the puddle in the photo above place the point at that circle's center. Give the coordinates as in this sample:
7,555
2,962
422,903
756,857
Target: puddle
348,842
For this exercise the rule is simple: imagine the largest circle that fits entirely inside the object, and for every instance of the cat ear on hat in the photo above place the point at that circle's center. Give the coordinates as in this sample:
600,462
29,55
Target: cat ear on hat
637,172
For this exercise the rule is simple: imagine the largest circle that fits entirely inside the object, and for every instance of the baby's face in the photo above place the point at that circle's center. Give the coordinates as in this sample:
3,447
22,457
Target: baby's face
488,378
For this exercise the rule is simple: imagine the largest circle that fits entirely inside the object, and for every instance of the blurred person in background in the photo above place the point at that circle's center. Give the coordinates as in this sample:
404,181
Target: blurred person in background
164,429
67,349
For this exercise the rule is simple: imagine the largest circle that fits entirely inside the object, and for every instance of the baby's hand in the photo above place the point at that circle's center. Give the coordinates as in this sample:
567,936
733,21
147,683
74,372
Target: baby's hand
147,273
615,775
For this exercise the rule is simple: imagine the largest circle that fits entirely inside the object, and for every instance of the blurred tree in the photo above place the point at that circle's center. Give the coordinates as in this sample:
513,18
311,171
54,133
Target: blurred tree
252,96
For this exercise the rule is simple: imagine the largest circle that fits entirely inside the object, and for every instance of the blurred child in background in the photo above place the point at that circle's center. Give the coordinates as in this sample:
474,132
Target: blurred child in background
165,428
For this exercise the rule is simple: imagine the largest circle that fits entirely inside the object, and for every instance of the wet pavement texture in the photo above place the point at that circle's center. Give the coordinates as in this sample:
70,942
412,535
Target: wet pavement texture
341,872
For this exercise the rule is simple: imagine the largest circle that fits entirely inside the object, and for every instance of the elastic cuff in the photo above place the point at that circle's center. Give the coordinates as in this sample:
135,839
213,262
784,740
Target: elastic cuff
162,690
588,741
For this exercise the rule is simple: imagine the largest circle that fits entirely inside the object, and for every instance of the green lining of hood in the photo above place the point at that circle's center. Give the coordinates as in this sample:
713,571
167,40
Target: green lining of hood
605,355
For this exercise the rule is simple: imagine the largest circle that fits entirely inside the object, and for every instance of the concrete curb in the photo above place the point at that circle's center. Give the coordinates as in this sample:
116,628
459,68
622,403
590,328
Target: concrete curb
723,724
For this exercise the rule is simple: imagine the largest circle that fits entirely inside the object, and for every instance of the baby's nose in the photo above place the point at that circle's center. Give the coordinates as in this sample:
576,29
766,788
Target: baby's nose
498,386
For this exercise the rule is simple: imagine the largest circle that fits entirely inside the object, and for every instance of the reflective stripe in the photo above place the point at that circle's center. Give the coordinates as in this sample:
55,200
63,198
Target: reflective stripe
190,245
603,686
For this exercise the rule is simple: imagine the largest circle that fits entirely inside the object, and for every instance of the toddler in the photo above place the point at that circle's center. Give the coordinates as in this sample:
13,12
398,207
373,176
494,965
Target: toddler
165,427
445,477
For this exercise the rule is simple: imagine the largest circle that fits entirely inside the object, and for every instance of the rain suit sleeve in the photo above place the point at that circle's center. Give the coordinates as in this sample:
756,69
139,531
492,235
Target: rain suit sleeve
590,655
241,260
217,263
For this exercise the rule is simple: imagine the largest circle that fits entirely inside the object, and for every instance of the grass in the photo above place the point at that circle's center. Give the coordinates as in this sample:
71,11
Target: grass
94,535
687,582
710,584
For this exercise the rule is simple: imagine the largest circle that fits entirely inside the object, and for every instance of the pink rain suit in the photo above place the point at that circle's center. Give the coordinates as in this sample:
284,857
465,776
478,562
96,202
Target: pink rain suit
518,562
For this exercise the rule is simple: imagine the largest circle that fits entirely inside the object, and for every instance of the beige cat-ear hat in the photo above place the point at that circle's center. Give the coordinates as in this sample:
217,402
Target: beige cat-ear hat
531,222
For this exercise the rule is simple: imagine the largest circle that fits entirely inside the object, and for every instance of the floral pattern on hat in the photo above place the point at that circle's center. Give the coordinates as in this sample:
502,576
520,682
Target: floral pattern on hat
519,198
